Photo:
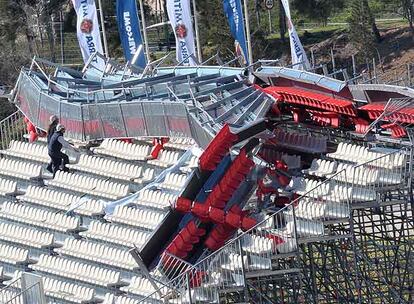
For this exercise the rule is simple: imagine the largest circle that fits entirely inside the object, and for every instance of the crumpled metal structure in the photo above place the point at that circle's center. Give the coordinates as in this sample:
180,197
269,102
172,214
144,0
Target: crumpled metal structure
169,102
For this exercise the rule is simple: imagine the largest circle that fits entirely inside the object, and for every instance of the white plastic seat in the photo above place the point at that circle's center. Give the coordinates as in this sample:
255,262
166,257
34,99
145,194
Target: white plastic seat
93,186
25,236
141,286
305,228
20,169
180,143
257,244
62,201
320,167
38,217
309,188
98,253
108,168
27,151
10,296
115,234
174,181
77,271
165,159
7,187
156,199
13,255
136,217
67,291
122,150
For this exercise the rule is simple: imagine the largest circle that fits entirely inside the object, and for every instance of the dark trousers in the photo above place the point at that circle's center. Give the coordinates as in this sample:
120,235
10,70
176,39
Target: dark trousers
58,160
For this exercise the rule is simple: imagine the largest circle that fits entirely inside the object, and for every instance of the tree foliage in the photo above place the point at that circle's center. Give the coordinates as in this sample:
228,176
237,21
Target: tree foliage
361,28
319,10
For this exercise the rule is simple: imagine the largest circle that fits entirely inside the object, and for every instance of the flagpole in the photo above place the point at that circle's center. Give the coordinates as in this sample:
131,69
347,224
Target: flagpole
144,29
200,58
249,40
103,29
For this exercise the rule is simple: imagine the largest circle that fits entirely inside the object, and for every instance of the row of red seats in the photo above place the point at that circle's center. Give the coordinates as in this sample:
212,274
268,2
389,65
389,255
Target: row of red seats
217,149
224,190
208,213
312,99
222,232
183,243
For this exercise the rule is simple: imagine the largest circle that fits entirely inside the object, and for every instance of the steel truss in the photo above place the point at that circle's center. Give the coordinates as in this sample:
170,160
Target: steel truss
369,259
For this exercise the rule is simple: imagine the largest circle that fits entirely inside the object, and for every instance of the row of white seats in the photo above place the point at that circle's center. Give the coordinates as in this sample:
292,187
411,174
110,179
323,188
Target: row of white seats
304,227
367,175
181,143
141,286
190,165
249,262
330,191
257,244
77,271
25,236
115,234
156,199
107,167
63,201
38,217
308,187
321,168
136,217
165,159
98,253
7,187
27,151
309,209
13,255
8,296
174,181
68,291
361,154
90,185
20,169
119,149
300,142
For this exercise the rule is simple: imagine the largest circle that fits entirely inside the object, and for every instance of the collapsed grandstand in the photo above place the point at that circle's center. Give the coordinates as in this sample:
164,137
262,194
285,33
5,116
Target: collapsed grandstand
207,185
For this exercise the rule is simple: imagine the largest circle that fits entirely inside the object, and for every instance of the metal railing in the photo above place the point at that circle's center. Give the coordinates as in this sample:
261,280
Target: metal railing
304,219
24,288
251,253
11,128
373,177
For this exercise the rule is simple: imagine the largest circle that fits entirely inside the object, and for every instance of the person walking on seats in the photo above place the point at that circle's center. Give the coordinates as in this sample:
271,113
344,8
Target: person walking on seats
56,143
53,122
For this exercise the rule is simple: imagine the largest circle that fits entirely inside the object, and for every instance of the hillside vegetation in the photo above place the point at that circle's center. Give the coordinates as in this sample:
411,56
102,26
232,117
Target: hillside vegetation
382,30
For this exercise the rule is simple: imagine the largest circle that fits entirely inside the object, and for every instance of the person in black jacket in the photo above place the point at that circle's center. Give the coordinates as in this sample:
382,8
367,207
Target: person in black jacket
54,121
55,145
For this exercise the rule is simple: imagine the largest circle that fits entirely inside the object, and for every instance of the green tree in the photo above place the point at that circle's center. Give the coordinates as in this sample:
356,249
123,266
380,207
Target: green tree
319,10
360,24
214,30
407,8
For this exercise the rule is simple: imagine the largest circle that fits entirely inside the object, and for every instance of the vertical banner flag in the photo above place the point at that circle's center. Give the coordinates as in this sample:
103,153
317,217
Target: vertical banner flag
129,30
299,57
179,13
88,31
234,12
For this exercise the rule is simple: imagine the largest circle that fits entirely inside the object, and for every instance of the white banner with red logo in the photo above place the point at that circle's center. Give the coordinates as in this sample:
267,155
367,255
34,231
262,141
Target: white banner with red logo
88,31
179,13
300,60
